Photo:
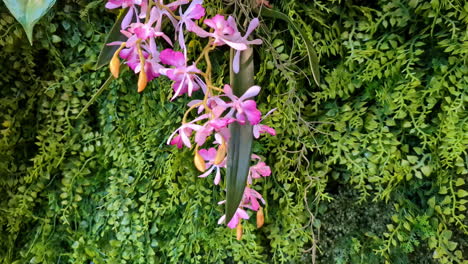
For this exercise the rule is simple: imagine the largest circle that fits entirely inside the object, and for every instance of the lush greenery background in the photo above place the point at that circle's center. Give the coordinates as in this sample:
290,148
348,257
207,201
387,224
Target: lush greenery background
370,167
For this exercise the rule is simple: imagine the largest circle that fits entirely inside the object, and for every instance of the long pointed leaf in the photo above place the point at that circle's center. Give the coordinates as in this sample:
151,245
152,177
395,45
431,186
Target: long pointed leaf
28,12
114,35
311,54
240,144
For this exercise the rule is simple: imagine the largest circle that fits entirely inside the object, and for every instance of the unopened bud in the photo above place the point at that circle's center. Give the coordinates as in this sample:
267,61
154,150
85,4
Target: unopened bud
115,65
220,154
142,81
239,231
199,162
260,218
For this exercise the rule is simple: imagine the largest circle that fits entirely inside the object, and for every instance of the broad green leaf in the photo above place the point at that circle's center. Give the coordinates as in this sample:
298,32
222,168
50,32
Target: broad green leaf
28,12
114,35
240,144
312,55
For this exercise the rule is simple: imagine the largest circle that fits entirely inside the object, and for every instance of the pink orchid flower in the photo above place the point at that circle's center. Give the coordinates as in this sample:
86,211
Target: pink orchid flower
223,32
239,214
258,170
184,77
194,11
184,132
112,4
245,109
210,156
140,31
217,124
261,129
252,26
250,199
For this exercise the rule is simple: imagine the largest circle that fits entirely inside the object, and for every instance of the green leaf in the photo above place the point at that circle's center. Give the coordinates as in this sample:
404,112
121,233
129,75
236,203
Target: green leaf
459,182
28,12
462,193
114,35
311,54
240,144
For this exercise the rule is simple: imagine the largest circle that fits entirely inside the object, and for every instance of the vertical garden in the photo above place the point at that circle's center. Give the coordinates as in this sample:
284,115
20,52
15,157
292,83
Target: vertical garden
370,165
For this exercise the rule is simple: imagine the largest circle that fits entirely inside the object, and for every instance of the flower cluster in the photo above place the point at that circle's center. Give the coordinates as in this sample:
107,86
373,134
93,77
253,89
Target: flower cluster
152,53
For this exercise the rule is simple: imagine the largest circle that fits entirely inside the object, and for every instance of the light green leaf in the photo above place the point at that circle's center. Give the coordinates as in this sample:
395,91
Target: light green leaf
28,12
240,144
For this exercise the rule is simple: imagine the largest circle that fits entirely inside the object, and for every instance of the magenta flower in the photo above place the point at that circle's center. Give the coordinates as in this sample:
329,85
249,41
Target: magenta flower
223,33
112,4
239,214
194,11
140,31
258,170
261,129
184,132
250,199
206,130
245,109
184,77
252,26
210,156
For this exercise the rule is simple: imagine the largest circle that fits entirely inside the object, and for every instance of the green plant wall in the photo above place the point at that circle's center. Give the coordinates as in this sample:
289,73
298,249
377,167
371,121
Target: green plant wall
369,167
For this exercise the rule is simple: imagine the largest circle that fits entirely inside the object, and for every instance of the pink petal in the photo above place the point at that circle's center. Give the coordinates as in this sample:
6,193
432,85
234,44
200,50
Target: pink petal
171,57
127,19
251,92
251,111
208,172
236,45
197,12
217,177
234,221
222,219
235,62
253,24
208,154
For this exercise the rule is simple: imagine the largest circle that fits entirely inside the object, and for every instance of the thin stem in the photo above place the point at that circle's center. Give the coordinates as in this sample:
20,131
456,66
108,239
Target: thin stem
168,10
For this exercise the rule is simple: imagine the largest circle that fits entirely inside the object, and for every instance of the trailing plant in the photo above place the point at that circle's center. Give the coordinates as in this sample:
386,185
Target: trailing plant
220,107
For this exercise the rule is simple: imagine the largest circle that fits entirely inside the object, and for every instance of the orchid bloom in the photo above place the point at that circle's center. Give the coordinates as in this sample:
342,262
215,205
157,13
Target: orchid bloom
239,214
112,4
261,129
223,33
194,11
252,26
210,155
245,109
250,199
184,132
139,31
258,170
184,77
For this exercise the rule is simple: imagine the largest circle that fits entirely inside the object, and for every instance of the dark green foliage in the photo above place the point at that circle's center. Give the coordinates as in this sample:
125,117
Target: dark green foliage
370,167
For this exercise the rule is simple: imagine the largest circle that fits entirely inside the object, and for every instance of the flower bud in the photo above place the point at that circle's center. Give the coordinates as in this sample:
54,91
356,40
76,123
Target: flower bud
142,81
220,154
239,231
114,65
199,162
260,218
